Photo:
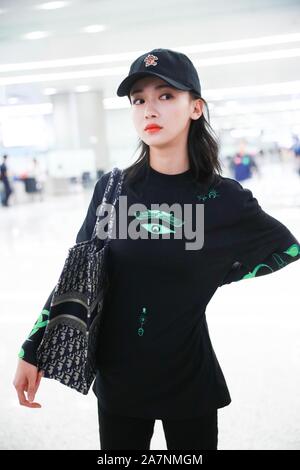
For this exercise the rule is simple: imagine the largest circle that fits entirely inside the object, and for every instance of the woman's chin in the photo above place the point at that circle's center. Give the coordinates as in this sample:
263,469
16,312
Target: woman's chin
155,140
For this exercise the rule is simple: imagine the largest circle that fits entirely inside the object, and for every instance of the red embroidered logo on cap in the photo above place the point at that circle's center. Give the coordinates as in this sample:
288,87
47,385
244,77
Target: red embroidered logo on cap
150,60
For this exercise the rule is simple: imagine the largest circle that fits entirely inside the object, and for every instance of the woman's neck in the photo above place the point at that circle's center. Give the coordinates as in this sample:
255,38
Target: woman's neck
170,166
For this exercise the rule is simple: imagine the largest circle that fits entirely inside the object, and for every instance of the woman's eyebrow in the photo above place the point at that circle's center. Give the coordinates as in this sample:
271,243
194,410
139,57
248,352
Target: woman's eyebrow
139,90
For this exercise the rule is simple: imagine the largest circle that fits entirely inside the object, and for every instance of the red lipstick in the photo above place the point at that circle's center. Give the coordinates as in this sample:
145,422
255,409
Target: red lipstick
152,128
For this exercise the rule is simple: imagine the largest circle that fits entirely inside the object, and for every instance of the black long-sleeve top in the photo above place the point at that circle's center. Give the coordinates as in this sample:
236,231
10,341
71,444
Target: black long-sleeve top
155,357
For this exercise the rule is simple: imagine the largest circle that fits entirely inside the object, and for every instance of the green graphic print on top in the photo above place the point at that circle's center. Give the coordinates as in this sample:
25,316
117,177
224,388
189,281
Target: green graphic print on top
279,262
142,319
41,323
268,265
157,228
212,194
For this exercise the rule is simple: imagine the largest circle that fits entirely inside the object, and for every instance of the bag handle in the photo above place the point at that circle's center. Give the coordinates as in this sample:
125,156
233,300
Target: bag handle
111,195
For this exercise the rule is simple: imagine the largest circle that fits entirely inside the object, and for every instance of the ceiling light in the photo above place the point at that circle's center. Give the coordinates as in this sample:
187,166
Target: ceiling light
94,28
82,88
116,103
13,100
36,35
248,58
26,110
50,91
67,62
275,106
231,104
129,56
267,89
63,75
241,43
51,5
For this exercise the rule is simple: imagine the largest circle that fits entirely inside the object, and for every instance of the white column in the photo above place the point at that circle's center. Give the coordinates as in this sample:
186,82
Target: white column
79,123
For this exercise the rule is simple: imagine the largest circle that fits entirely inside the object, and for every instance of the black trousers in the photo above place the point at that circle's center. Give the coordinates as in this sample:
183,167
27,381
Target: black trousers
125,432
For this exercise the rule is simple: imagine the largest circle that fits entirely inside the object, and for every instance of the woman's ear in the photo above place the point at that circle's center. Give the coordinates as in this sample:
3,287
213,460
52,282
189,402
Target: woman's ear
197,108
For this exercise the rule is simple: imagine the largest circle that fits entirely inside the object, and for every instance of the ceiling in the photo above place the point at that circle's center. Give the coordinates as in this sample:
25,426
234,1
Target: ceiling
246,51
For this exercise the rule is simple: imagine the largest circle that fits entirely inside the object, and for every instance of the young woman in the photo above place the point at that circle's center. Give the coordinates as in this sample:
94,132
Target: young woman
155,357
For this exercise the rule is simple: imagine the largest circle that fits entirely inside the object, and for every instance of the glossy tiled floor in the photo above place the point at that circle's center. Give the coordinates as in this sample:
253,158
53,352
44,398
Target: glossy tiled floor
254,327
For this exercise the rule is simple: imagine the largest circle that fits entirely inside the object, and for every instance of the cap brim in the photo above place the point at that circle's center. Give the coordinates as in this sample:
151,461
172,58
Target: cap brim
126,84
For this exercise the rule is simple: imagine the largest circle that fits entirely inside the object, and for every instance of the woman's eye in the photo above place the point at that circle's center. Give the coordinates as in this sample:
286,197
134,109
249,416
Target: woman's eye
165,94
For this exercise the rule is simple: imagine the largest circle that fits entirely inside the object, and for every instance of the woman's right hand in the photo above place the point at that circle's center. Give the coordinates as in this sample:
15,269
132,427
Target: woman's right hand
27,379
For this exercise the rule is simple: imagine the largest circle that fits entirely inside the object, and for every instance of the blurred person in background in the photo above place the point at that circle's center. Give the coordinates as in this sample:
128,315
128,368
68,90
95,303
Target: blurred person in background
296,150
243,164
4,176
36,172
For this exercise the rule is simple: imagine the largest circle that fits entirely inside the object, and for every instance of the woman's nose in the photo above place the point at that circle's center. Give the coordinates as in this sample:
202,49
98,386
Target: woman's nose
149,111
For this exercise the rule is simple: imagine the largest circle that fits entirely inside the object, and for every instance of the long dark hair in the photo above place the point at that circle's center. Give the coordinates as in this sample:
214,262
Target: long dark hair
203,152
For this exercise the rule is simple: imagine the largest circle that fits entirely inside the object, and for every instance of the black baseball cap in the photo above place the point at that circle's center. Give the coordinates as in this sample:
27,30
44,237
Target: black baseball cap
172,66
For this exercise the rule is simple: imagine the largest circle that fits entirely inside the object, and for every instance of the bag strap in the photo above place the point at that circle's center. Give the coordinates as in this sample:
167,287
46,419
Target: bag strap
111,194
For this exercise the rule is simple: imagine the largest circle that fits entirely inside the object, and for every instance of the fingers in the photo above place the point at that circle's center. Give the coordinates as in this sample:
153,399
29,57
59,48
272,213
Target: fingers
38,380
27,379
31,390
34,387
24,402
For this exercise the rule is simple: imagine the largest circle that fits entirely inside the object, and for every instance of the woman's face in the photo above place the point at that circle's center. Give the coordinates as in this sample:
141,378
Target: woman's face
168,107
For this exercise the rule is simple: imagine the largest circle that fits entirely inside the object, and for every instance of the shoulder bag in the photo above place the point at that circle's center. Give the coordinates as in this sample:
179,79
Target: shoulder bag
67,352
